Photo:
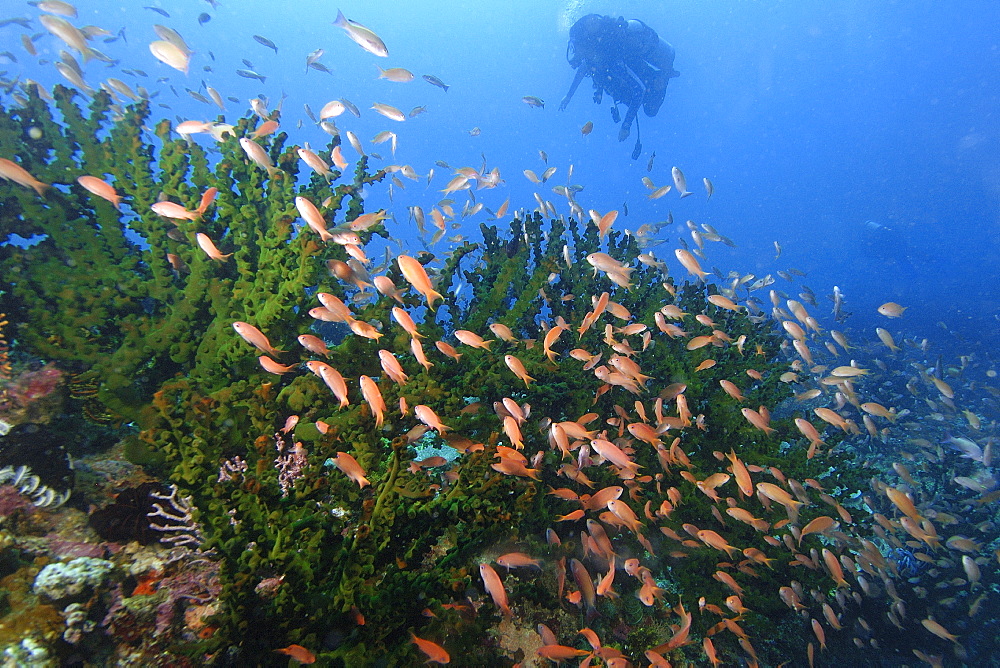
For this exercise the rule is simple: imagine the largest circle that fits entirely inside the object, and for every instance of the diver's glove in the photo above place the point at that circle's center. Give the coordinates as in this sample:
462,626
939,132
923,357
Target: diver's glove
615,116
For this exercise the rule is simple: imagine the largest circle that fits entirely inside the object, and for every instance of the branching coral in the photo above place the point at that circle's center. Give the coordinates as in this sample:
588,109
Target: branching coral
307,552
98,297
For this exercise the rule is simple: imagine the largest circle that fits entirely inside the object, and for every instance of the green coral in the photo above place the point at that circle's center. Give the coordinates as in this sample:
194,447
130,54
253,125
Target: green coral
114,305
160,347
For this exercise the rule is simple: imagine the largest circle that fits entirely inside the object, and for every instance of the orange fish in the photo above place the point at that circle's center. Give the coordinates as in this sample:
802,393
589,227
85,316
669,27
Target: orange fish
386,287
551,337
271,366
429,418
101,189
174,210
689,262
938,630
723,302
314,344
350,467
559,653
623,512
517,367
727,579
832,417
904,503
516,468
604,588
757,420
314,219
494,586
709,648
747,517
503,331
820,633
418,352
317,163
892,310
374,398
332,378
362,328
14,172
732,390
255,337
264,129
392,367
435,653
338,158
613,454
298,653
258,155
886,337
821,524
517,560
833,566
778,495
606,221
206,244
448,350
406,322
713,539
415,274
742,475
290,423
586,586
472,339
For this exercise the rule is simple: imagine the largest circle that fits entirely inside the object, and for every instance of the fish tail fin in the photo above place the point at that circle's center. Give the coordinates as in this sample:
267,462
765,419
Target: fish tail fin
40,188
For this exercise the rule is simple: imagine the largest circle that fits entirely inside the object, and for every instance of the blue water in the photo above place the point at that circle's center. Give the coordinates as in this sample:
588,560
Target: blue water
810,118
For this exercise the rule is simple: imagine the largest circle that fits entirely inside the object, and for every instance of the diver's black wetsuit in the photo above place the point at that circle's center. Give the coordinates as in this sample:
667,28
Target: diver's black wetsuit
626,59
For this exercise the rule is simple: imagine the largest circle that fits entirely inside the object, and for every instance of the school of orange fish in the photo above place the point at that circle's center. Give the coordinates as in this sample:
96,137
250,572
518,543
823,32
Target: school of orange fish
651,414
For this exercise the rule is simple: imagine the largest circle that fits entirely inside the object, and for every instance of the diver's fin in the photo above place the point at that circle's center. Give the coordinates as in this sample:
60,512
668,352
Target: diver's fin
637,151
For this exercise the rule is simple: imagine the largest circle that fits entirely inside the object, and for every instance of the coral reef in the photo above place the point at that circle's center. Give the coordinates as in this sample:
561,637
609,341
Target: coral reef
132,320
71,579
659,507
29,395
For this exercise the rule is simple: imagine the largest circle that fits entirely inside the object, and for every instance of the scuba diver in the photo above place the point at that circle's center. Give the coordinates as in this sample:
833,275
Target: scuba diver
625,59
